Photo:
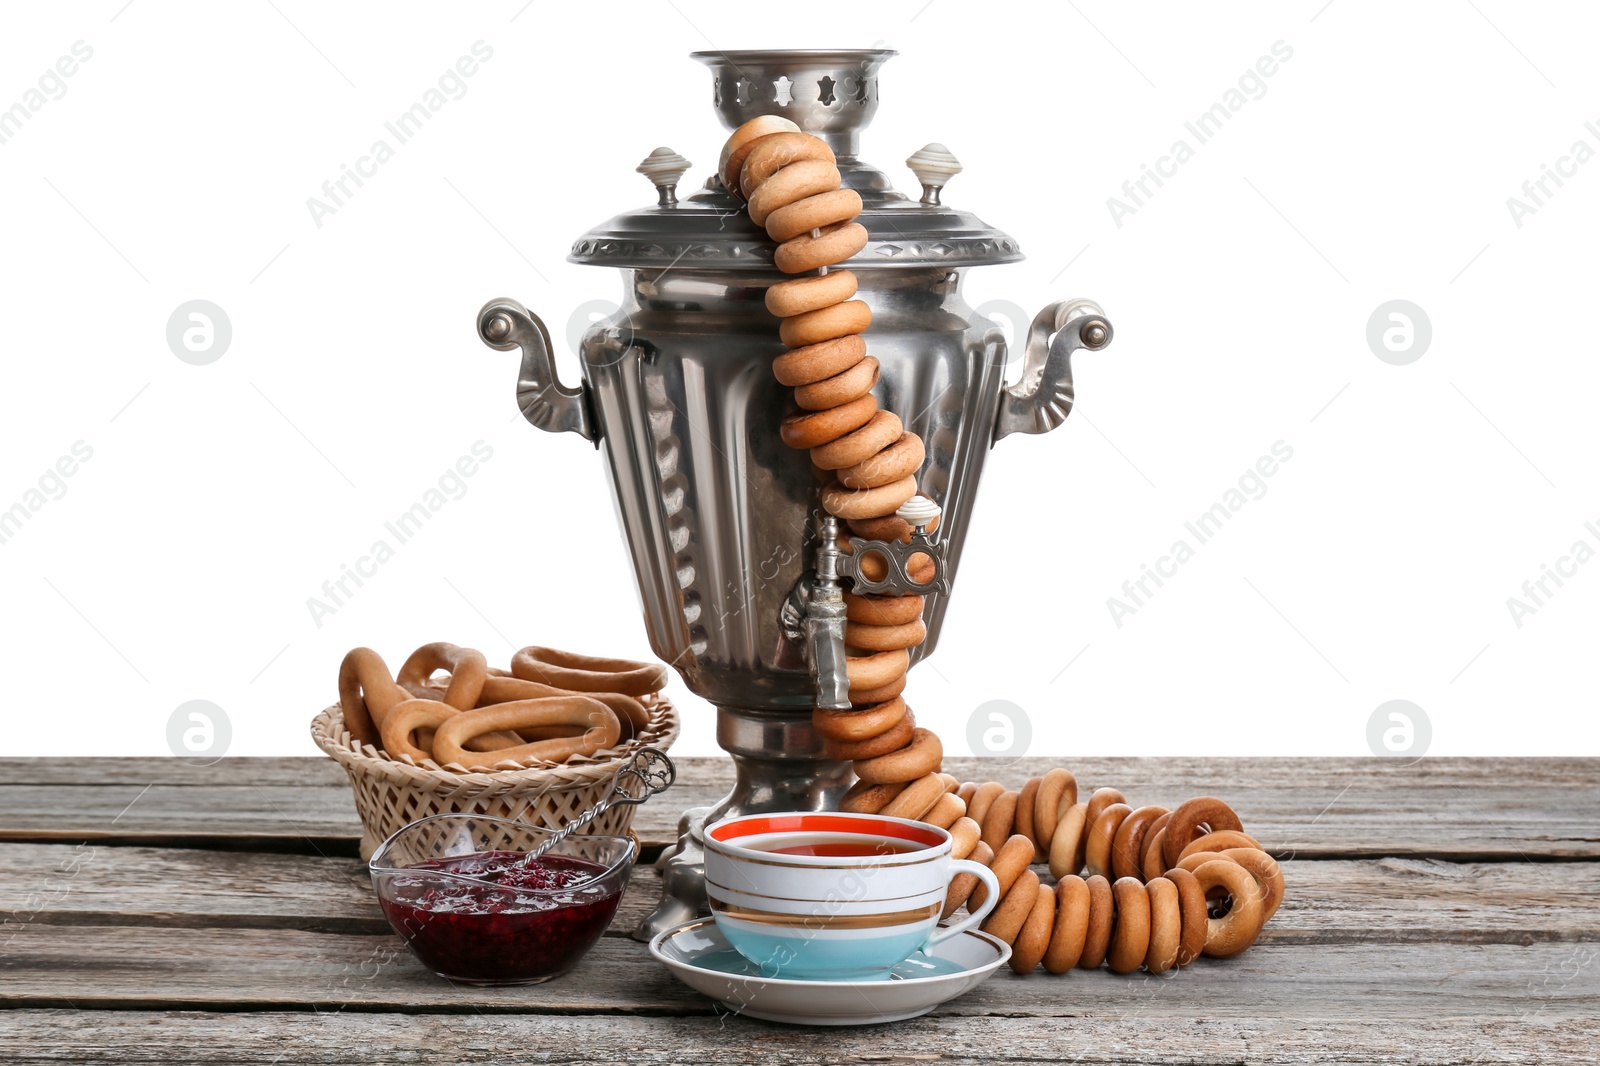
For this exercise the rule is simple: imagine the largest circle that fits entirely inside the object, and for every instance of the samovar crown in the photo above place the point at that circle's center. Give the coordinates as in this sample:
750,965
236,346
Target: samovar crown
832,93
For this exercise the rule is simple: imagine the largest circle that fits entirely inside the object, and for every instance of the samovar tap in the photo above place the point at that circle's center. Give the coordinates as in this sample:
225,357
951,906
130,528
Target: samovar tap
825,622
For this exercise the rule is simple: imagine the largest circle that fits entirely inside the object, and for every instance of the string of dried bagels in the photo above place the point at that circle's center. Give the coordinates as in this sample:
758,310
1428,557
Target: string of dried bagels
1186,881
791,184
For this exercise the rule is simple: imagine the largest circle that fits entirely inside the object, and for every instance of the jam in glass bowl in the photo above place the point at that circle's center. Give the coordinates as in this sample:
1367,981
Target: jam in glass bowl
455,888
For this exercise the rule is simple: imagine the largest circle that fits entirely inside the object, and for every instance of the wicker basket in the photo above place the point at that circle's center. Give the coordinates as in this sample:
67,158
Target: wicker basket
391,793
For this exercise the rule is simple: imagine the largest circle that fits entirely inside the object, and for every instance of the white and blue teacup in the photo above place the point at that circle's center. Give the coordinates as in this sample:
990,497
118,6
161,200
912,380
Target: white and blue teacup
829,896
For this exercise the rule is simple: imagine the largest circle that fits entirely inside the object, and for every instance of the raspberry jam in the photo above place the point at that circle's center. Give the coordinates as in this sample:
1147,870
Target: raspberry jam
510,924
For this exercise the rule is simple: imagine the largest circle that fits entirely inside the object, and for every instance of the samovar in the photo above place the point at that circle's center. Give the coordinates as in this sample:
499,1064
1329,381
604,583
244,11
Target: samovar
720,517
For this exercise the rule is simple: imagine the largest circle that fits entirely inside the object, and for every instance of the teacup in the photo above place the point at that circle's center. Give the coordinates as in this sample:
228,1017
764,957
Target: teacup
825,896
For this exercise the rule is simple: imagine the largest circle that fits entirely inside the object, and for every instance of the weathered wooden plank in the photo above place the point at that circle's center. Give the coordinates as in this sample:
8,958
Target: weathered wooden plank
309,819
1315,808
1185,775
1387,900
105,967
37,1037
85,884
139,772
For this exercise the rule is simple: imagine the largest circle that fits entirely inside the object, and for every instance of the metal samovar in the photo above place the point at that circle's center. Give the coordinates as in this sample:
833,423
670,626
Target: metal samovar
721,518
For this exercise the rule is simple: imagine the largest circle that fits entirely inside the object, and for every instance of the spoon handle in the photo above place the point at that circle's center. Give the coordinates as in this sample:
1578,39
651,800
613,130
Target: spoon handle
567,830
650,767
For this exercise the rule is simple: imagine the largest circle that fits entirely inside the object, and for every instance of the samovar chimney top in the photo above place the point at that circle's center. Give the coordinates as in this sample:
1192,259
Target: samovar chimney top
831,92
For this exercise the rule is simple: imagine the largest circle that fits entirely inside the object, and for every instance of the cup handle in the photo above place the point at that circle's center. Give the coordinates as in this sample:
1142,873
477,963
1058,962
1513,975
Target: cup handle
991,900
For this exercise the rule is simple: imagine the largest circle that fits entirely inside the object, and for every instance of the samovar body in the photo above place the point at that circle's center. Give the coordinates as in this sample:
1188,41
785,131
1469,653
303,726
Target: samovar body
719,512
719,515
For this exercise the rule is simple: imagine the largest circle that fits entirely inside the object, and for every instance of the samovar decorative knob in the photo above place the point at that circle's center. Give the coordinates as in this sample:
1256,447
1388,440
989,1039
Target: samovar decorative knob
919,512
897,556
934,166
664,168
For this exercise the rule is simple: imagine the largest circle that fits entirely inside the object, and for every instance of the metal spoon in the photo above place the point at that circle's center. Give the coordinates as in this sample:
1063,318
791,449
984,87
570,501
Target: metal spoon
648,769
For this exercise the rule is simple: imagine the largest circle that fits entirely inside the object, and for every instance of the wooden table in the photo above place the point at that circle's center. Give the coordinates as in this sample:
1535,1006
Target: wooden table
1444,911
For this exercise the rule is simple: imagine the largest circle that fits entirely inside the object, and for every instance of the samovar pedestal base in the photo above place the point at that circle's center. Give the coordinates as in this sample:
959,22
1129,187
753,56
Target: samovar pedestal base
778,766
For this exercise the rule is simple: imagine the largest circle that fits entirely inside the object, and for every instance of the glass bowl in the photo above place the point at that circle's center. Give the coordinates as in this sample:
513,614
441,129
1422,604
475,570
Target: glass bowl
450,886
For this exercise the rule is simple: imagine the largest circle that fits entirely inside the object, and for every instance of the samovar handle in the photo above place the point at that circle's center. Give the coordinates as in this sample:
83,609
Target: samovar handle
1042,398
505,324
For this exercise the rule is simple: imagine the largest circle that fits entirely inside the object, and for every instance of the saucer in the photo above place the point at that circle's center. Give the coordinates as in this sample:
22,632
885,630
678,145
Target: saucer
699,956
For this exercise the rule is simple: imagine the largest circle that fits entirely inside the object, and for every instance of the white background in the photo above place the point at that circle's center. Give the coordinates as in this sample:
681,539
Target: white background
1376,166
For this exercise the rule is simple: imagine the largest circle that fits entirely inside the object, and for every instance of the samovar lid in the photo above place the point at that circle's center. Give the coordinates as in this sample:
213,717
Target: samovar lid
832,93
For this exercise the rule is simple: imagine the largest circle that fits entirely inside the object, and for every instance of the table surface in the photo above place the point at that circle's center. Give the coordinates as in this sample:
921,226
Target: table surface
156,911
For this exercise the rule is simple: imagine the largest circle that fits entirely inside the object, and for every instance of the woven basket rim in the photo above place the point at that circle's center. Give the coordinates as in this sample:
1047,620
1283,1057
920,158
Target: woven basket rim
329,733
